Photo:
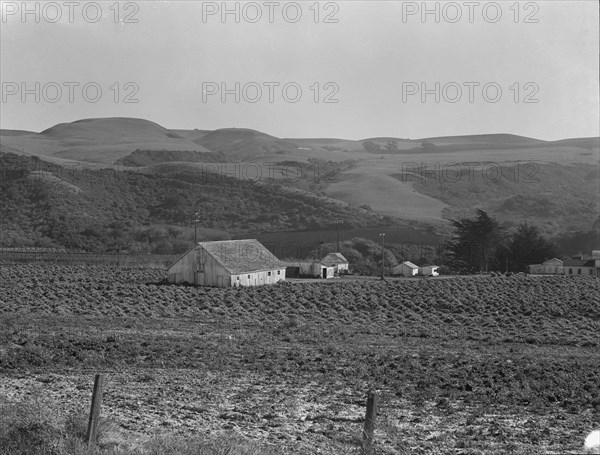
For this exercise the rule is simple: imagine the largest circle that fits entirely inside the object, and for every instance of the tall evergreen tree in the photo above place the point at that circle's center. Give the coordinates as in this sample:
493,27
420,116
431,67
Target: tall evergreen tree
527,246
476,243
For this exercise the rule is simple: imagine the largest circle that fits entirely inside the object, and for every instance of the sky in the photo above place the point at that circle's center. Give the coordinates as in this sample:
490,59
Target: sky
351,69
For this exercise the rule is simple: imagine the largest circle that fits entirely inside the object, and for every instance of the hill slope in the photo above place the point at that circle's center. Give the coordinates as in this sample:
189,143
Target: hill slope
360,172
102,140
42,204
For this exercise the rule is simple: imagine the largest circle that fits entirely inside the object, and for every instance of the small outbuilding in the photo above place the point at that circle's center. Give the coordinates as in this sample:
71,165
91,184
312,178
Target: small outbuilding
429,270
407,268
338,261
228,263
309,269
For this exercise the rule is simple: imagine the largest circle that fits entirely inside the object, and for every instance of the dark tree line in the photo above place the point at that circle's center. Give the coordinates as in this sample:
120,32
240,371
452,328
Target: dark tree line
481,244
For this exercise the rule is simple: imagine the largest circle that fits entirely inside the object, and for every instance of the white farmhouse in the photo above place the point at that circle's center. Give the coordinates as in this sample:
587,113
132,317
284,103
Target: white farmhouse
588,267
228,263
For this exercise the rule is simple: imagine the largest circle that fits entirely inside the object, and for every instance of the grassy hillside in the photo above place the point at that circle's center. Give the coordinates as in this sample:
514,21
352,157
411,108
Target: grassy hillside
243,144
44,204
141,158
102,140
549,195
360,172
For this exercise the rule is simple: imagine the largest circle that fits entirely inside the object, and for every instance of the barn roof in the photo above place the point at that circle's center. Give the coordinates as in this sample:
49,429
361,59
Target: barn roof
334,258
242,256
410,264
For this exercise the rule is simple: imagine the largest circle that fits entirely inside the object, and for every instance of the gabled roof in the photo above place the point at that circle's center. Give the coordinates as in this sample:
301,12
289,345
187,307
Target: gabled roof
579,263
426,266
553,261
334,258
410,264
239,256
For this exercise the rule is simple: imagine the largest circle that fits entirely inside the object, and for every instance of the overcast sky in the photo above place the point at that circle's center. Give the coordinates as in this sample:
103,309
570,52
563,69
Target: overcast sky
373,57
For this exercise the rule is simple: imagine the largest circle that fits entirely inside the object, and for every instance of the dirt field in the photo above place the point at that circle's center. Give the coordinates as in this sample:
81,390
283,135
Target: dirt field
498,365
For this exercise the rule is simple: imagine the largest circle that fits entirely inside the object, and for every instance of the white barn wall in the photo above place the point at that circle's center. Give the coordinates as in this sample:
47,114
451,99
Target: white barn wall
405,270
200,268
257,278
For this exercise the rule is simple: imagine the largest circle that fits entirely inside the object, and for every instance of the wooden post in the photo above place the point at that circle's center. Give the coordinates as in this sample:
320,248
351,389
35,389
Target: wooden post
370,419
95,410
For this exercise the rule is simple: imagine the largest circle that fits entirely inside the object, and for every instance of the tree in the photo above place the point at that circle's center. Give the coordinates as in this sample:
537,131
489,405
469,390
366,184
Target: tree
371,147
476,242
391,147
526,246
428,146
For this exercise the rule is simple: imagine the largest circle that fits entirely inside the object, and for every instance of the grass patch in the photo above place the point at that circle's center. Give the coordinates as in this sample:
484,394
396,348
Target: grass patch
32,427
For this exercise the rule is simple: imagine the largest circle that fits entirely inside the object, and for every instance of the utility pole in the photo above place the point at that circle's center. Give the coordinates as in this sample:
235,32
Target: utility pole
196,228
382,235
320,248
338,236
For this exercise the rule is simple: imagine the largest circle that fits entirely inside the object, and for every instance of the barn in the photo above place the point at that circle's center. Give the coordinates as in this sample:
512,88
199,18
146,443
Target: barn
407,268
338,261
228,263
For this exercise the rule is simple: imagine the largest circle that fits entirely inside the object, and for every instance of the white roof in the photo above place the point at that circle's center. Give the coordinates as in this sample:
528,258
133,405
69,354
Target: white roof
410,264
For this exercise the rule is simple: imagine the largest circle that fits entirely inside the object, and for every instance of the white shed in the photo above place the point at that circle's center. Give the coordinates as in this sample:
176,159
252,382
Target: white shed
429,270
338,261
228,263
407,268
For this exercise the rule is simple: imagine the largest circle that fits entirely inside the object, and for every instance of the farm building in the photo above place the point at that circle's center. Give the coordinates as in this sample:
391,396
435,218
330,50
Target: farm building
305,269
550,267
589,267
429,270
228,263
406,269
338,261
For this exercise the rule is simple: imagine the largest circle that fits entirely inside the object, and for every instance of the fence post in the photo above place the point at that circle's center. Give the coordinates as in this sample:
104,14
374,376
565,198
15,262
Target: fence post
95,410
370,420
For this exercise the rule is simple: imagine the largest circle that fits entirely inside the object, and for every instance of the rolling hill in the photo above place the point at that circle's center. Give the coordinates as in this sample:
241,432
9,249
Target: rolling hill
243,144
104,140
370,172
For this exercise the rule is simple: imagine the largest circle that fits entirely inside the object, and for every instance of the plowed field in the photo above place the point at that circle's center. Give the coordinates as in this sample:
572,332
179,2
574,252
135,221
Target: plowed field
466,365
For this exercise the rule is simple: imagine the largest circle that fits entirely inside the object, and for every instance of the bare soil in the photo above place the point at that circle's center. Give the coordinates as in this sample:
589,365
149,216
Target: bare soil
463,366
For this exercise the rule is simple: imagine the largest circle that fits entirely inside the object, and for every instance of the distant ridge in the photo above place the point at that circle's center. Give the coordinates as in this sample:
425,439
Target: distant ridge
502,138
245,144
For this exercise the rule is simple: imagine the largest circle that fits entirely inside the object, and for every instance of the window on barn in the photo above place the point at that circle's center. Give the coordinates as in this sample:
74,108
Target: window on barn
269,273
248,276
279,272
238,278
